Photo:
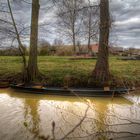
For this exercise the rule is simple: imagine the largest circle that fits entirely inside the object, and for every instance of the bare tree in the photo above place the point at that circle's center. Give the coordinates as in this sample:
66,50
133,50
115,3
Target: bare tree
90,23
21,46
57,42
17,32
101,72
30,73
69,19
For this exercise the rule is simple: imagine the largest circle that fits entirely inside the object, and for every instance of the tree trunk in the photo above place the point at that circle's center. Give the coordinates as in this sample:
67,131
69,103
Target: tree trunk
101,72
89,33
20,45
32,70
74,44
73,27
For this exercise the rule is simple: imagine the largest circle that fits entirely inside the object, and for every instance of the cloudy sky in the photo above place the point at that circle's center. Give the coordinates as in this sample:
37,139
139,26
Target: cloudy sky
125,14
126,29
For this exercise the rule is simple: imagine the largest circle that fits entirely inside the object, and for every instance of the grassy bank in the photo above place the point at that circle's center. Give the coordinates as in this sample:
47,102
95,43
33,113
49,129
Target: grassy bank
56,68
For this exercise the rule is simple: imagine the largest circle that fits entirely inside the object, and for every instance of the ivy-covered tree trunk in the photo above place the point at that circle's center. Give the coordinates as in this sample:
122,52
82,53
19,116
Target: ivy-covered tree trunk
101,74
32,70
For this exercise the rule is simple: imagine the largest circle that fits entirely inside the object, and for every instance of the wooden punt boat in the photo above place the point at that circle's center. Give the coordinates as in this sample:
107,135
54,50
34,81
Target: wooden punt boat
87,92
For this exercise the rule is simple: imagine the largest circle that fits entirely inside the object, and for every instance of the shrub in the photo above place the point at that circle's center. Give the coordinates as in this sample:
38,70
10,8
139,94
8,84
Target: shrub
43,51
10,52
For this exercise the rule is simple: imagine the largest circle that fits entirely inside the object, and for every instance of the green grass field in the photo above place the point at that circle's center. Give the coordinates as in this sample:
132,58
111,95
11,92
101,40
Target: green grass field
56,68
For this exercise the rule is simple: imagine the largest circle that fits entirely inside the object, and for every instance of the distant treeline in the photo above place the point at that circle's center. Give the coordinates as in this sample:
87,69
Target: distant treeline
66,50
44,50
10,52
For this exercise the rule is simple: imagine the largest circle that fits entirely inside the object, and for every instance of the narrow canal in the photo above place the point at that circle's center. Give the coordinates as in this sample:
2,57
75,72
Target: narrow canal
25,116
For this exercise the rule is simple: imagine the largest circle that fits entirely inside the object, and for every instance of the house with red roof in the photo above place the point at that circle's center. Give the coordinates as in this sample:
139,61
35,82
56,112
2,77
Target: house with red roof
94,48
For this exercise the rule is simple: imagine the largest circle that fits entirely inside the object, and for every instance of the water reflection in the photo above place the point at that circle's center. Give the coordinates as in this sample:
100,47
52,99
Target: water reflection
101,114
35,114
31,115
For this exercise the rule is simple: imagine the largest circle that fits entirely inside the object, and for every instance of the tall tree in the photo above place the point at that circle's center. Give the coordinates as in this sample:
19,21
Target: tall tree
32,69
101,72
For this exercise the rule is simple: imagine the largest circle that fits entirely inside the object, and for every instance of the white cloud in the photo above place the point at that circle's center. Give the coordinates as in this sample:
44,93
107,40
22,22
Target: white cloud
133,20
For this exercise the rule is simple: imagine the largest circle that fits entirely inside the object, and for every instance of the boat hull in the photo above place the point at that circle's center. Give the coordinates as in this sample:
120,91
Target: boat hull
87,92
